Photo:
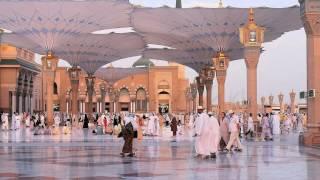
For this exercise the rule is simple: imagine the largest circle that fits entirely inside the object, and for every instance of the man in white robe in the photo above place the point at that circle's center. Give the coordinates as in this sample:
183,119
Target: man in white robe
18,120
27,120
14,121
201,142
42,121
157,124
213,128
151,126
57,121
5,121
276,124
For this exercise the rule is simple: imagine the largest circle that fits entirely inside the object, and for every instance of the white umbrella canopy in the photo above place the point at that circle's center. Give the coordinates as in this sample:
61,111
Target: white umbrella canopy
201,32
50,23
91,51
114,74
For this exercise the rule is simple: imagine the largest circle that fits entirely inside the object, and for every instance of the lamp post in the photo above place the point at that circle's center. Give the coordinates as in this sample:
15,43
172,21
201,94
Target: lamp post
49,65
252,37
74,74
293,100
90,89
221,64
281,98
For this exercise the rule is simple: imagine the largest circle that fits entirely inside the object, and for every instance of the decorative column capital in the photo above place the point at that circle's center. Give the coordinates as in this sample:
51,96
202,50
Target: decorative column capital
281,98
310,15
252,55
292,96
90,83
209,75
74,74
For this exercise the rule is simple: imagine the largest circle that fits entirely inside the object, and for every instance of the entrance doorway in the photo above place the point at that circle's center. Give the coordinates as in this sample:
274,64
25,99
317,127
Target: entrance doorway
163,108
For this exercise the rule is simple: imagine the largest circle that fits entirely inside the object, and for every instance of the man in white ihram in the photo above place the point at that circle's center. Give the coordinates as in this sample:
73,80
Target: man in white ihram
214,137
201,133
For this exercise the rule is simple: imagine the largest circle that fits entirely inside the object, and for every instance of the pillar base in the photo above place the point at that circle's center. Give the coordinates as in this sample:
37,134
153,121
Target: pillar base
309,138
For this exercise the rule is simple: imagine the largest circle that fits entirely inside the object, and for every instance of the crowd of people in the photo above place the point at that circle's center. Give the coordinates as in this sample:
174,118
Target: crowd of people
212,132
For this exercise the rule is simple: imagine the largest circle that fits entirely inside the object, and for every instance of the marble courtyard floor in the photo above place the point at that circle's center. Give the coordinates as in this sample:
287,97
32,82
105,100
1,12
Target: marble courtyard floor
85,156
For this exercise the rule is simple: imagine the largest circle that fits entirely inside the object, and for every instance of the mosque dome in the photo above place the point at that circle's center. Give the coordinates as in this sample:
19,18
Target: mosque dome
143,62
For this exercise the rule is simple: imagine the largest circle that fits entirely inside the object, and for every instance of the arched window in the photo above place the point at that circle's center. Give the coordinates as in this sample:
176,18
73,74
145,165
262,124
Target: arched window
124,96
141,102
55,88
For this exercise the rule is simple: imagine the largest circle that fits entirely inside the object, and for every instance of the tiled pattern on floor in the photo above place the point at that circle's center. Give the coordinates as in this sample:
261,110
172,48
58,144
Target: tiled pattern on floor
86,156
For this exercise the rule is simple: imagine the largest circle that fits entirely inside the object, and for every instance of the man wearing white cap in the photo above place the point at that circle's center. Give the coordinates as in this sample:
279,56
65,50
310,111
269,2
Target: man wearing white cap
201,132
212,125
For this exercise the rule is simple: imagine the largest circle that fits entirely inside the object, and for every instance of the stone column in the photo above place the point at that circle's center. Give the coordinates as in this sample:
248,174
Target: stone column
200,86
221,78
98,106
103,98
252,55
263,102
271,100
281,98
81,106
20,102
292,101
209,73
90,90
13,100
193,87
209,94
310,14
49,64
26,101
31,103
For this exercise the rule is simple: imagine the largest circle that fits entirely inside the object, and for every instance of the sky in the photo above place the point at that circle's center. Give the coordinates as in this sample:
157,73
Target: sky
282,66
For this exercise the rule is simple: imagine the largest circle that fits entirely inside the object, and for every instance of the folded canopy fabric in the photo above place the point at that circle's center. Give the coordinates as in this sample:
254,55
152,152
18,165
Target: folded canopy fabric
91,51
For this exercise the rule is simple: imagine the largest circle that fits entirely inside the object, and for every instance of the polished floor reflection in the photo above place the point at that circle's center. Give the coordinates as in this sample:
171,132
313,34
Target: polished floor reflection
86,156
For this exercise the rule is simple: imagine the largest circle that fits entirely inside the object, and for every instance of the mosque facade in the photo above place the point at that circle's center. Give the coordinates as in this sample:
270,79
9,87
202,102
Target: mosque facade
159,89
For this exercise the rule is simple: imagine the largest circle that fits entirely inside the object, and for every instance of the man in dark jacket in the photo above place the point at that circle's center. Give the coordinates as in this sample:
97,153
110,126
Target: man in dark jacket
128,135
174,126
